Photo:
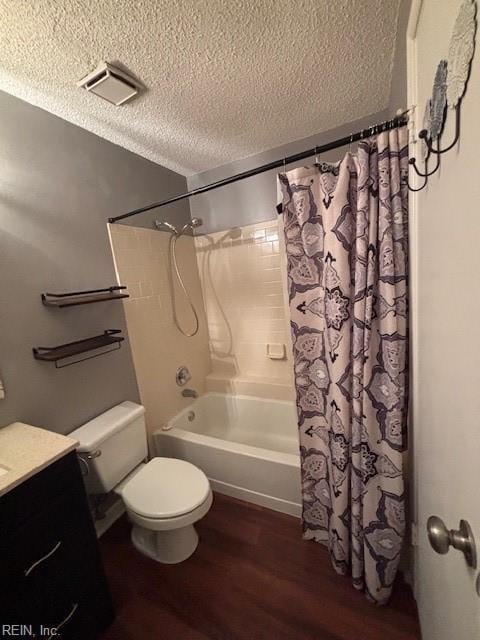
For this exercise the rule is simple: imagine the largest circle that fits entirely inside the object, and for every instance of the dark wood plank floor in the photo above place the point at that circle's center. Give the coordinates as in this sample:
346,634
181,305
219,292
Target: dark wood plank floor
251,577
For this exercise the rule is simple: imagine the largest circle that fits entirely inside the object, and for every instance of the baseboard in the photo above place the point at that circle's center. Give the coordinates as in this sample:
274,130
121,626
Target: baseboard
270,502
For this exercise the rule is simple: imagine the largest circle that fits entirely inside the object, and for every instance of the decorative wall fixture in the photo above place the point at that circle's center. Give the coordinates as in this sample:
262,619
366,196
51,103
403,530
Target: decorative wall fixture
448,90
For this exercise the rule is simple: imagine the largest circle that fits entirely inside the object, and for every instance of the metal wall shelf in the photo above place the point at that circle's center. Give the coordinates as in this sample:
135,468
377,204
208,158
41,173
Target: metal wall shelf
56,354
72,299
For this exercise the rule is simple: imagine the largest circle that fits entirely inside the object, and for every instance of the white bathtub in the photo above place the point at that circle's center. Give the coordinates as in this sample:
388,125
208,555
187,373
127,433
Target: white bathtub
248,447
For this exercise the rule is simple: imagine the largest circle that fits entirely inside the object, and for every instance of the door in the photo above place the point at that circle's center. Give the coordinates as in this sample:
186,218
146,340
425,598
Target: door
445,283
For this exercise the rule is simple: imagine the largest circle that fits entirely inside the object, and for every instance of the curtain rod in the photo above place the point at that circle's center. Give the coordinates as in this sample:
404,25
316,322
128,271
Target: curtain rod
398,121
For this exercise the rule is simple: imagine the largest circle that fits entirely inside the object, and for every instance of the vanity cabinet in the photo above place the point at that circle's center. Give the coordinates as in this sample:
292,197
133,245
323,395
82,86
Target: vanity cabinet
50,569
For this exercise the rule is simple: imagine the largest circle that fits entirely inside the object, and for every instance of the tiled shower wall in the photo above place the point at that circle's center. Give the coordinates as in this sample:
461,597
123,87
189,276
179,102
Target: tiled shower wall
242,272
158,348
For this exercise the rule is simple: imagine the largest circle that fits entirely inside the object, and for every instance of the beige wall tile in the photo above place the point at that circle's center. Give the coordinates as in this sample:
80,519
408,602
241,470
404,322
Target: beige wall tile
158,348
243,288
238,288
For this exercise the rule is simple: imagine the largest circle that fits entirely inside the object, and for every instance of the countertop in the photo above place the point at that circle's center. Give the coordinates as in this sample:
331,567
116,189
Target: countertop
26,450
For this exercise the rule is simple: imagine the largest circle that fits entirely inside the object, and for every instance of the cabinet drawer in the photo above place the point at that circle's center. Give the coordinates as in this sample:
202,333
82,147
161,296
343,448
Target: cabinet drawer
53,559
83,618
49,557
62,529
36,495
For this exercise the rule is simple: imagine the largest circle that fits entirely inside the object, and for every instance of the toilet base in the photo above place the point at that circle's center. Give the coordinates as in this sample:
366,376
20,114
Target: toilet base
168,547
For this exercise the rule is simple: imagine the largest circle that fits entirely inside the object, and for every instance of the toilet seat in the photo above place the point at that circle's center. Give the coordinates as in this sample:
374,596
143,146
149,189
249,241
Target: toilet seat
167,490
175,523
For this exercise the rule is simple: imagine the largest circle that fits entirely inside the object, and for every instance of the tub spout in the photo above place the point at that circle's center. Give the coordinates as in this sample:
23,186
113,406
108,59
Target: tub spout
189,393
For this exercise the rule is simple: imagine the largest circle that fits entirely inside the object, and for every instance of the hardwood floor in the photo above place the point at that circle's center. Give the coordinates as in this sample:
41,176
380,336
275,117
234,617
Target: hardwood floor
251,577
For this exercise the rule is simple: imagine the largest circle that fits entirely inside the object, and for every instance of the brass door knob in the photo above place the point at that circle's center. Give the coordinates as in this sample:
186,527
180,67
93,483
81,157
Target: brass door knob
441,539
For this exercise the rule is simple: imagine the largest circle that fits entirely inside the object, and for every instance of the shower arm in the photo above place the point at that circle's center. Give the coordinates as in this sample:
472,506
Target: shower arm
162,223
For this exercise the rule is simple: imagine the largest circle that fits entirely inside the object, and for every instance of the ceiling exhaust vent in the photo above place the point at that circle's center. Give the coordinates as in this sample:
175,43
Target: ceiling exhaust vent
111,84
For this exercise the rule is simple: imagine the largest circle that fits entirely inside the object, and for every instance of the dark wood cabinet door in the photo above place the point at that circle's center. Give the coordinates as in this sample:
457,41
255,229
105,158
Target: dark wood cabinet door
51,567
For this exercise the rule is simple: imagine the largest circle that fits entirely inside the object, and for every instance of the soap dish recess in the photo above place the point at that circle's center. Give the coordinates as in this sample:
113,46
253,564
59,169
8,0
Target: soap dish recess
276,351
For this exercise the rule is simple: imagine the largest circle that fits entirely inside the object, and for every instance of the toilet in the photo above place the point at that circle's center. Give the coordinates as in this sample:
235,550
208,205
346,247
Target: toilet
163,498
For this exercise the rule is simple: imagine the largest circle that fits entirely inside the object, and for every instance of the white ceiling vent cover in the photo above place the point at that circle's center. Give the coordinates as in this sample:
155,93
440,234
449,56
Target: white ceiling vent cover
110,83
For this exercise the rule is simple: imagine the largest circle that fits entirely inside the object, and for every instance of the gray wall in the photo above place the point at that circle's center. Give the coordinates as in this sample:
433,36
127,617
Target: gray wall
254,199
58,186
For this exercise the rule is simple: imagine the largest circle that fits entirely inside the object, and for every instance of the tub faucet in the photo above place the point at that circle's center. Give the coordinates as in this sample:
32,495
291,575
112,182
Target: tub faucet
189,393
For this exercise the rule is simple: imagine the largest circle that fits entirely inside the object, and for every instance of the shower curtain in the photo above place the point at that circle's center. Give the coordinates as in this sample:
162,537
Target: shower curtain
346,241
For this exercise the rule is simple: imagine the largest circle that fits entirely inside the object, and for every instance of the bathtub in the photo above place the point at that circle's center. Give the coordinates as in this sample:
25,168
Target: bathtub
247,446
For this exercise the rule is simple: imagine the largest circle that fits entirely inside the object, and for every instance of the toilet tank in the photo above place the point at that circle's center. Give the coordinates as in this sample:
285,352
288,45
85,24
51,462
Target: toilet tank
111,446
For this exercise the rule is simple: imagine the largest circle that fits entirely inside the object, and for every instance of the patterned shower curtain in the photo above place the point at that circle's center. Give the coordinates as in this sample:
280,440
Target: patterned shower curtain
347,248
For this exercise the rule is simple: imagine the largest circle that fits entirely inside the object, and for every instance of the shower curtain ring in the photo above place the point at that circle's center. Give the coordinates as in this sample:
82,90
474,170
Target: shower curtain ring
350,143
317,160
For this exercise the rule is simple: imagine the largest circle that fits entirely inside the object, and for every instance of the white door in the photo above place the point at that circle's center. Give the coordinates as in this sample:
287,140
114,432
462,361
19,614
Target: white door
445,240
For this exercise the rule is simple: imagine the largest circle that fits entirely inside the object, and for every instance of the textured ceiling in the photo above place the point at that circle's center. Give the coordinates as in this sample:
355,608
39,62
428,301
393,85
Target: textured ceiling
226,78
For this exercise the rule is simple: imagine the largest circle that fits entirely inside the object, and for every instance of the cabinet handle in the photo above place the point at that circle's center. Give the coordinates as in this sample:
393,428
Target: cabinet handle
28,571
57,628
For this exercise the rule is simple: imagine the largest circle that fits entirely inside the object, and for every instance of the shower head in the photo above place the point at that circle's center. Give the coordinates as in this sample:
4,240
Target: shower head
193,224
161,223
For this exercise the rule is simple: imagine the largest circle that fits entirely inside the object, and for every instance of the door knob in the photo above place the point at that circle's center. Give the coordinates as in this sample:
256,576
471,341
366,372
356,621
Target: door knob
441,539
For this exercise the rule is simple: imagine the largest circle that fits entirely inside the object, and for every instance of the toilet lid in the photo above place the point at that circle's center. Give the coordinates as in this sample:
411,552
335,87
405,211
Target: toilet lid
165,488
